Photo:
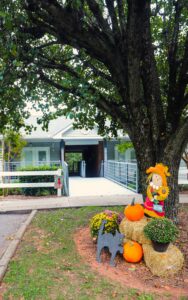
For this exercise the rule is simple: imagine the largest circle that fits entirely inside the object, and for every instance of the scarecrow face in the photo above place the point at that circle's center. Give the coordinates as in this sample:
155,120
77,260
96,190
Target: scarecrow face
157,179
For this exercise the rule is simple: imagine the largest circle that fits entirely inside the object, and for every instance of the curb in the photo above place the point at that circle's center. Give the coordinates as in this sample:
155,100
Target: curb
67,202
4,261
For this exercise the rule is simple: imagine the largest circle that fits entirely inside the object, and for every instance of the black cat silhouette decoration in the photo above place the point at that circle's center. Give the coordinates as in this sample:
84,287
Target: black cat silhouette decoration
110,241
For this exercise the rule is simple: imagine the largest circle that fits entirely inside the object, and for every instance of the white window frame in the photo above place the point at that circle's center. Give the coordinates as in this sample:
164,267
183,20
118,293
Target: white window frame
35,154
46,149
23,161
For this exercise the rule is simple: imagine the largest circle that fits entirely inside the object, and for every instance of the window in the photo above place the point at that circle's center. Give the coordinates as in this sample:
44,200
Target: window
42,156
28,157
35,156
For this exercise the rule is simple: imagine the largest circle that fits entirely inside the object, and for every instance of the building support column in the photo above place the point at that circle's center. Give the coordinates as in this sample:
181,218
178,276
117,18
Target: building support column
105,151
65,169
62,149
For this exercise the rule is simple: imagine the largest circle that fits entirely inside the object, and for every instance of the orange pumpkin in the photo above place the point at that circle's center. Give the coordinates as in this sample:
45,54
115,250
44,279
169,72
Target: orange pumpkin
134,212
132,252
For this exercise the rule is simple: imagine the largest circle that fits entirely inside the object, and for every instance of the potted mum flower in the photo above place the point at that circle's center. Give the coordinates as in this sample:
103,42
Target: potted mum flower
161,232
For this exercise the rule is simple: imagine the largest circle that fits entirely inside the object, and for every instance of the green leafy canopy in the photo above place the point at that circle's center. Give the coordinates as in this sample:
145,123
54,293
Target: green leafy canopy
13,144
62,73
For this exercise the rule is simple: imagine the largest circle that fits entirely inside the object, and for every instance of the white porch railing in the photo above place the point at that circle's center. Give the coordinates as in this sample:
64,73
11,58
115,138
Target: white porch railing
27,184
183,176
16,165
124,173
65,178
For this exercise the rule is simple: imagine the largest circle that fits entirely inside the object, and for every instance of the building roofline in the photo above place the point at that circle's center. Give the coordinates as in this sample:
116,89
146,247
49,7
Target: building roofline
63,131
82,138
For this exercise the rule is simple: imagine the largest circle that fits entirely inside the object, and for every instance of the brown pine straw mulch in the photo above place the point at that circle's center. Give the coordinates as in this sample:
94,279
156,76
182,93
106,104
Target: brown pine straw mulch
138,275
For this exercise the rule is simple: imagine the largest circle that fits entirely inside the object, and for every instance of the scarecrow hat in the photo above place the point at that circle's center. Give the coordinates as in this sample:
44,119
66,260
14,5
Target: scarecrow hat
160,169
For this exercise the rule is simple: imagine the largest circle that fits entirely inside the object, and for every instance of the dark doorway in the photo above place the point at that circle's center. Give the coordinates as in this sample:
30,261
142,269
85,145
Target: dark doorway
73,160
91,154
90,157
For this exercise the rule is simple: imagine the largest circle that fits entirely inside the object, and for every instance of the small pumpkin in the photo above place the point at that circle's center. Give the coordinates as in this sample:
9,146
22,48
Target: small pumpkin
132,252
134,212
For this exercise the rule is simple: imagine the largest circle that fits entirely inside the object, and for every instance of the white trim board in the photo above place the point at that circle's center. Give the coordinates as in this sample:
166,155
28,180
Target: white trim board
71,142
26,185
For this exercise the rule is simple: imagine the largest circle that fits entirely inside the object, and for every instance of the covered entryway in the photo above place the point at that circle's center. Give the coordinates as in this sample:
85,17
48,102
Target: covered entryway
82,149
87,156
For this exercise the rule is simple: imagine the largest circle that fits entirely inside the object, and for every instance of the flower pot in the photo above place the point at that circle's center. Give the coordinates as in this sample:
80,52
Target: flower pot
160,247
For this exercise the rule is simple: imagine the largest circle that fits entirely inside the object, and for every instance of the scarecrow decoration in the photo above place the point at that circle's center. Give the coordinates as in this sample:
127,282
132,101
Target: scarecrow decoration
157,191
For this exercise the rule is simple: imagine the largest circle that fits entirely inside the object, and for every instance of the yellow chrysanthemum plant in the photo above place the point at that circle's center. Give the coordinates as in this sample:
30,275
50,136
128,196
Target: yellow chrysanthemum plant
113,220
157,191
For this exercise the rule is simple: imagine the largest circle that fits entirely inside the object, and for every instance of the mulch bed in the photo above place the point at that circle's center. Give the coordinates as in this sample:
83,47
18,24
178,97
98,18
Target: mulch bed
138,275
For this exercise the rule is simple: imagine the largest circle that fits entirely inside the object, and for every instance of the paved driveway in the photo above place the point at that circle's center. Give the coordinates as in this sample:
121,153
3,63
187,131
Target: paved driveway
9,224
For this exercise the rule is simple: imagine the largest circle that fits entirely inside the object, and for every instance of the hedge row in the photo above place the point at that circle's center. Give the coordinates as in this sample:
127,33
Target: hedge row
39,191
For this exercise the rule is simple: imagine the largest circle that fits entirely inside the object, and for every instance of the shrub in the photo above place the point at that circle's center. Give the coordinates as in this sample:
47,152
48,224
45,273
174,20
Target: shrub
12,191
39,168
113,220
161,230
15,191
39,191
183,187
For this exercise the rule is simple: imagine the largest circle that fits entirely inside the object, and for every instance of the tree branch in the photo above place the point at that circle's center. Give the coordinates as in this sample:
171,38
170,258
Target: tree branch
183,75
47,45
122,16
65,25
51,82
142,65
176,84
184,102
95,9
97,71
173,44
180,138
111,108
51,64
185,157
112,13
69,29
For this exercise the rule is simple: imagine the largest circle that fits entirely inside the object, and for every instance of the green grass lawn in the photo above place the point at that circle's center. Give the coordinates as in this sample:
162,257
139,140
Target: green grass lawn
47,265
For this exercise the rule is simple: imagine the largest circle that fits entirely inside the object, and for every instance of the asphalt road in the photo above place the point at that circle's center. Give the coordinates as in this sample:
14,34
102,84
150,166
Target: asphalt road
9,224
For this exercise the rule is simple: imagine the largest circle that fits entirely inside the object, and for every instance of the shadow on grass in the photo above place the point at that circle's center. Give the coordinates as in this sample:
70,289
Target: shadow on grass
47,265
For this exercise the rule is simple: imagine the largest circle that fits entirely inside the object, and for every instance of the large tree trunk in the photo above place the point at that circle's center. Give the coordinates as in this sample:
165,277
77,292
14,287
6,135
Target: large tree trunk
172,160
146,157
172,203
185,158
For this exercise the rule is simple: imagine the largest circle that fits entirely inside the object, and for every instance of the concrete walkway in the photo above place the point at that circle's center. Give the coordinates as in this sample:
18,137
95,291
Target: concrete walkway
98,186
183,198
66,202
83,192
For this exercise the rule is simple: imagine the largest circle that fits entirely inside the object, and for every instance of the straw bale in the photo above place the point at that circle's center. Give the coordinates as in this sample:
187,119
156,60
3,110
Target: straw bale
163,263
134,230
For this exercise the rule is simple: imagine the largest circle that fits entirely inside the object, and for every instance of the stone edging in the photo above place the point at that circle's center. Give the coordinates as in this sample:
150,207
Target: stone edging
4,261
